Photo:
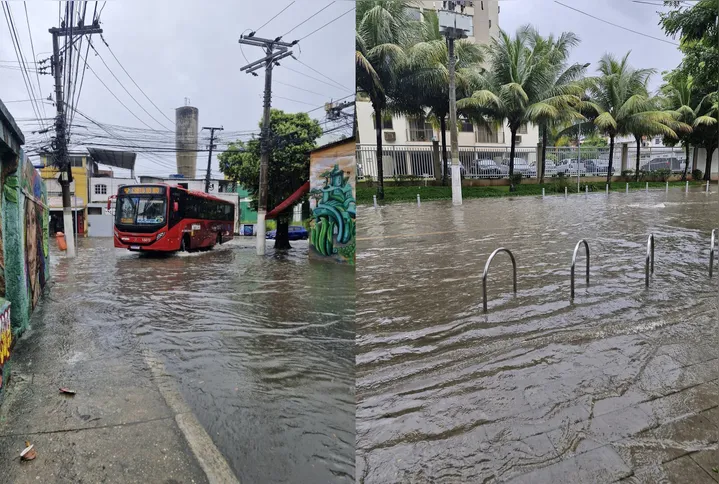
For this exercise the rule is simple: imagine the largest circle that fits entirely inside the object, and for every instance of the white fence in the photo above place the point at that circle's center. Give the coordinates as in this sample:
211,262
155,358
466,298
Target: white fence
492,162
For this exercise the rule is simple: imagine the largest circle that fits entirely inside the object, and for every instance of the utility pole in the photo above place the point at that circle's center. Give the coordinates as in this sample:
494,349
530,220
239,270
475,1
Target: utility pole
209,158
274,50
60,142
454,26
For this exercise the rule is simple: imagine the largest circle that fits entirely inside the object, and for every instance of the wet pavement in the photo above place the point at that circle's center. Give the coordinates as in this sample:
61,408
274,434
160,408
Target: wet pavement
261,349
623,384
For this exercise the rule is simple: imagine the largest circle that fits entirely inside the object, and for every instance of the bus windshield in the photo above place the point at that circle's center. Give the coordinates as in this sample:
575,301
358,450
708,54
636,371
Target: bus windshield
141,210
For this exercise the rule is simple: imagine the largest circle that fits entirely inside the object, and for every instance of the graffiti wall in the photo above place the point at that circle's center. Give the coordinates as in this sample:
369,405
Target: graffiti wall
5,342
25,220
333,203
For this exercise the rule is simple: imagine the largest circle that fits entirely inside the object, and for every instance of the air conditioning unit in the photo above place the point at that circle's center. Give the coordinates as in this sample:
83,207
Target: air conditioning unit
517,139
390,136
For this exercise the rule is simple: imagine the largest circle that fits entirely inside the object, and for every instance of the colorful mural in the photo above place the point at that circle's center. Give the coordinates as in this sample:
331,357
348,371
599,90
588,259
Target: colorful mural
334,212
36,226
5,340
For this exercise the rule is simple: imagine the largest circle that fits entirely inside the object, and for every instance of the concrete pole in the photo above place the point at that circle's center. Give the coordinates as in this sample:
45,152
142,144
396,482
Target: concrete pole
374,199
606,188
542,192
586,190
686,189
647,187
456,181
627,191
419,204
264,159
565,192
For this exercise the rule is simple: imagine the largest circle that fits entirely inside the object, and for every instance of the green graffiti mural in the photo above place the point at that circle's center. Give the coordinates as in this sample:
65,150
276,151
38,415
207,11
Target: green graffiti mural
333,228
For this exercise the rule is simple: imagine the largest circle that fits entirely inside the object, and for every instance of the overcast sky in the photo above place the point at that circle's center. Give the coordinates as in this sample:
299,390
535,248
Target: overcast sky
177,49
597,37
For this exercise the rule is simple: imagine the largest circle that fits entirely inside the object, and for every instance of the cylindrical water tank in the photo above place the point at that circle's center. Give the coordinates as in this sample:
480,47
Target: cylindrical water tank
186,140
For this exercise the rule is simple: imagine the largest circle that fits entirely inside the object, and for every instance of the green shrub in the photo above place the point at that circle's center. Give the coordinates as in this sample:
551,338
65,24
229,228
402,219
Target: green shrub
697,175
627,175
561,184
662,174
516,179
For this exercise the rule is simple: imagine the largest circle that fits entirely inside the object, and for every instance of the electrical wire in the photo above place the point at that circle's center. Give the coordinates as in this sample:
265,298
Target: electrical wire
616,25
32,47
311,77
276,15
325,25
300,88
308,18
324,75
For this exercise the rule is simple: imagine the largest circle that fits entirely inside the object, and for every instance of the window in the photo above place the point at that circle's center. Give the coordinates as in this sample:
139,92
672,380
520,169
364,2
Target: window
386,121
486,134
100,189
656,141
414,14
466,126
522,128
420,130
75,161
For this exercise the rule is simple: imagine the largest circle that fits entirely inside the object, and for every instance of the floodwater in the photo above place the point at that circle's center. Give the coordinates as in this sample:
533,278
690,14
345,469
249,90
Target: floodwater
448,394
262,348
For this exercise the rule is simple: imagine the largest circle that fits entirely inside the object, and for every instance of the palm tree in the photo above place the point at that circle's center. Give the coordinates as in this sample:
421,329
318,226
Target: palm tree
422,87
383,28
705,127
555,53
621,103
679,98
517,88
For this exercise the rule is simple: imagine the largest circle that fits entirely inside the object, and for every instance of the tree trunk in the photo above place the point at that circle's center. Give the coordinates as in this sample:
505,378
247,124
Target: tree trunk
611,159
282,234
686,162
512,150
445,165
639,147
544,154
708,171
380,167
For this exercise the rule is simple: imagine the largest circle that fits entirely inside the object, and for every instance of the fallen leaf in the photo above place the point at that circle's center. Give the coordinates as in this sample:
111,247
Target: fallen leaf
714,469
67,391
29,453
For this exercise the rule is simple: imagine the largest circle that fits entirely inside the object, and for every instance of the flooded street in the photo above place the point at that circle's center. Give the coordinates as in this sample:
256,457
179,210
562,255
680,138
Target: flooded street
621,384
262,349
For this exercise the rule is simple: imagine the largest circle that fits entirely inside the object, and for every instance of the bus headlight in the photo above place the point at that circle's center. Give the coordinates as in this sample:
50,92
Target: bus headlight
159,236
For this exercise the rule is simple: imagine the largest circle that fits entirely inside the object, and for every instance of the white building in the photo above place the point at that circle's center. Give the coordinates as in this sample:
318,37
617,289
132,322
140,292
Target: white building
409,140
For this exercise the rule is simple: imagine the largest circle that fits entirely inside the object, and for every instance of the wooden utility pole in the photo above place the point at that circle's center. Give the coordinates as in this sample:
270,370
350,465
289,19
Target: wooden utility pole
60,143
209,158
274,50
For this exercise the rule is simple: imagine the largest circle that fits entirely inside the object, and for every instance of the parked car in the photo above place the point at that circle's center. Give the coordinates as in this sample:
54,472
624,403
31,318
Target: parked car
597,167
572,168
488,169
522,166
550,168
295,232
664,163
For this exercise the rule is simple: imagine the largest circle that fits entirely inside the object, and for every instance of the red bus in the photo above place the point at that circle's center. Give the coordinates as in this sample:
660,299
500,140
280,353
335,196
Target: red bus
164,218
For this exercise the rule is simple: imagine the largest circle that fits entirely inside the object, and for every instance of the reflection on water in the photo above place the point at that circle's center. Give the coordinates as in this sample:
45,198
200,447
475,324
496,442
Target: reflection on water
447,393
263,348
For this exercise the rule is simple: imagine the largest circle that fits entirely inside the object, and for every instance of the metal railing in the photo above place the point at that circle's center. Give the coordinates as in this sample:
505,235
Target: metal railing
650,252
486,269
416,161
574,261
711,252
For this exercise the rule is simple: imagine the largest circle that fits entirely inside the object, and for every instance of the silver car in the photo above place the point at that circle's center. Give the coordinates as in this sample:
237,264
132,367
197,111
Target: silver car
488,169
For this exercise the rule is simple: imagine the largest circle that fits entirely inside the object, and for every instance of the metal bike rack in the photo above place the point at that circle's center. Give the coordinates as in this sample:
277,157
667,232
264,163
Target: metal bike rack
650,254
486,269
711,253
574,261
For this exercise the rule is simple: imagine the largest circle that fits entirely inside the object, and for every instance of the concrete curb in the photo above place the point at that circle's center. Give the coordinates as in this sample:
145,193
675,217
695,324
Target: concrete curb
210,458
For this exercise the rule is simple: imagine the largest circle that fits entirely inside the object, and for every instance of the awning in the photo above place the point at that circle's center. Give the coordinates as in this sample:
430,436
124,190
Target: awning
55,203
119,159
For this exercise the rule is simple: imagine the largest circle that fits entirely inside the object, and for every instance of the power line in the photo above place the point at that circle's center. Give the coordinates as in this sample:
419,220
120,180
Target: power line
325,25
308,18
32,47
323,75
276,15
301,89
133,80
311,77
616,25
293,100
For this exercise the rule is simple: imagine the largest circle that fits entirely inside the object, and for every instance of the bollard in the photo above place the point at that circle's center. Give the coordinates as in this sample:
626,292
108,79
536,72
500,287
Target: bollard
542,192
419,204
627,191
565,192
374,197
586,190
686,190
707,186
606,188
667,189
647,187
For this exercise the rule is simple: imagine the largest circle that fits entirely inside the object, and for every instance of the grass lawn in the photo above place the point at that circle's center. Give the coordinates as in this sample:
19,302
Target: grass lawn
409,193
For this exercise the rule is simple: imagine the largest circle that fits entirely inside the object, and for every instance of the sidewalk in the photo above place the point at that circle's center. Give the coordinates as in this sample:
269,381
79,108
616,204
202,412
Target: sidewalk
126,423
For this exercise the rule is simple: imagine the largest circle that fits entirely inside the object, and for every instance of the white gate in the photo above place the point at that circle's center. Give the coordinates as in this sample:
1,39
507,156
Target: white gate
101,225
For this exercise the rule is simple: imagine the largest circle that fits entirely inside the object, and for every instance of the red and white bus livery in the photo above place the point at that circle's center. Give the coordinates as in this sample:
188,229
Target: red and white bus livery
164,218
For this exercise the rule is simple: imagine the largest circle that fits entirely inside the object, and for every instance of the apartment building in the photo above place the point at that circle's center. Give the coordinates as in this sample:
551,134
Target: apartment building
401,134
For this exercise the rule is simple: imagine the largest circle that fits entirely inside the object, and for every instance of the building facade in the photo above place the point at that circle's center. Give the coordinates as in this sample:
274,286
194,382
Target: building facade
81,167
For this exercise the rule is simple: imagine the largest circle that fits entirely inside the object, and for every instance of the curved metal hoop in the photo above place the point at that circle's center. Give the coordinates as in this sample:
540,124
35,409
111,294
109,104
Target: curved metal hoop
711,253
574,261
486,269
650,255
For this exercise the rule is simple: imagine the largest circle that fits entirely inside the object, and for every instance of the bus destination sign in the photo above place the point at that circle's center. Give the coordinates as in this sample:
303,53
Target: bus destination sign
143,190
